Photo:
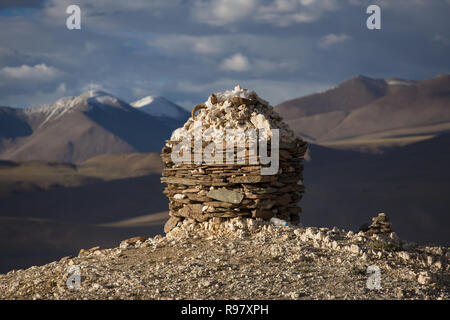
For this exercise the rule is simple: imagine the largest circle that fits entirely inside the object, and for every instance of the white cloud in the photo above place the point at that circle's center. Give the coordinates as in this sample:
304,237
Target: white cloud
274,91
93,86
283,13
389,3
223,12
57,8
265,66
107,15
36,97
238,62
279,12
36,72
293,48
206,45
174,43
112,48
333,39
243,52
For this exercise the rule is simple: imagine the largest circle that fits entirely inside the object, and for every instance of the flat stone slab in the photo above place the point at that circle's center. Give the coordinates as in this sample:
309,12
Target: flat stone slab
226,195
251,179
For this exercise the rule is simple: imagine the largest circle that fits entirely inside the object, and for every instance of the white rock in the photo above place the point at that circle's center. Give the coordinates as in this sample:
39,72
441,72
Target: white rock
124,244
438,264
319,236
354,248
424,277
404,255
394,237
335,245
95,286
260,122
309,233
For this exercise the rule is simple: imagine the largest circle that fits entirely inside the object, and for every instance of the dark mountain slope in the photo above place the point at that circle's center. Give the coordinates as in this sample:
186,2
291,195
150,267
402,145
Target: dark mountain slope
411,184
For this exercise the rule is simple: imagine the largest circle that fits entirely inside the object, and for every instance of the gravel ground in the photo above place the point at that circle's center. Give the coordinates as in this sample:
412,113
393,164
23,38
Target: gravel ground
242,259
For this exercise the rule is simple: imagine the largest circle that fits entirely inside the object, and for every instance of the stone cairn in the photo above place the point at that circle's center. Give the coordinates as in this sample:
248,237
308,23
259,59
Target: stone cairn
201,191
380,225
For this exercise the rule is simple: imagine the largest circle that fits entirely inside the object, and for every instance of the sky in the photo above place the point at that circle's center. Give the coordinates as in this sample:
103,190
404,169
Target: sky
186,49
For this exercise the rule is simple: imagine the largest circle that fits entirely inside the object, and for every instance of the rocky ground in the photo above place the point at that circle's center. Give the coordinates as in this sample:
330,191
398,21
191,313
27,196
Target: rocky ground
242,259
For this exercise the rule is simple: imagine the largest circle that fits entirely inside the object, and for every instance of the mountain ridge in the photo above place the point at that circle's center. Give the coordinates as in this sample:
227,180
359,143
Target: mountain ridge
362,106
74,129
162,108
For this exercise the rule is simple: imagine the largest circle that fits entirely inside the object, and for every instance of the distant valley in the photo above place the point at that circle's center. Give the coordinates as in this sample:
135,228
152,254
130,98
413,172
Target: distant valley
345,188
49,210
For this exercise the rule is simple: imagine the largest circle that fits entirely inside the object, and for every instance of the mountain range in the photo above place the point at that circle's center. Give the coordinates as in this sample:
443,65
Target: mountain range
74,129
360,113
363,112
111,179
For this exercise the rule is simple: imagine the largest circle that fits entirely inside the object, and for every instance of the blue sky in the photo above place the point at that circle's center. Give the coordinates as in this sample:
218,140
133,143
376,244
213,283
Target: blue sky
186,49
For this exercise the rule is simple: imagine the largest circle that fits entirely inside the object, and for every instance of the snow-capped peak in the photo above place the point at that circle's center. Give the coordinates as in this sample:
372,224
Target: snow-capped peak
143,102
160,107
399,82
66,105
53,110
102,98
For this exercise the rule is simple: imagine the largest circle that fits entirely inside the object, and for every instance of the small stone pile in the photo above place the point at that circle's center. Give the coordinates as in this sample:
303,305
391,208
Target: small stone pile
380,225
201,191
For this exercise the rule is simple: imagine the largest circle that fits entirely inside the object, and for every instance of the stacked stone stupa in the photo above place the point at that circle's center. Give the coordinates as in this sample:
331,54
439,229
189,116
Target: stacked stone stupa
201,188
380,225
